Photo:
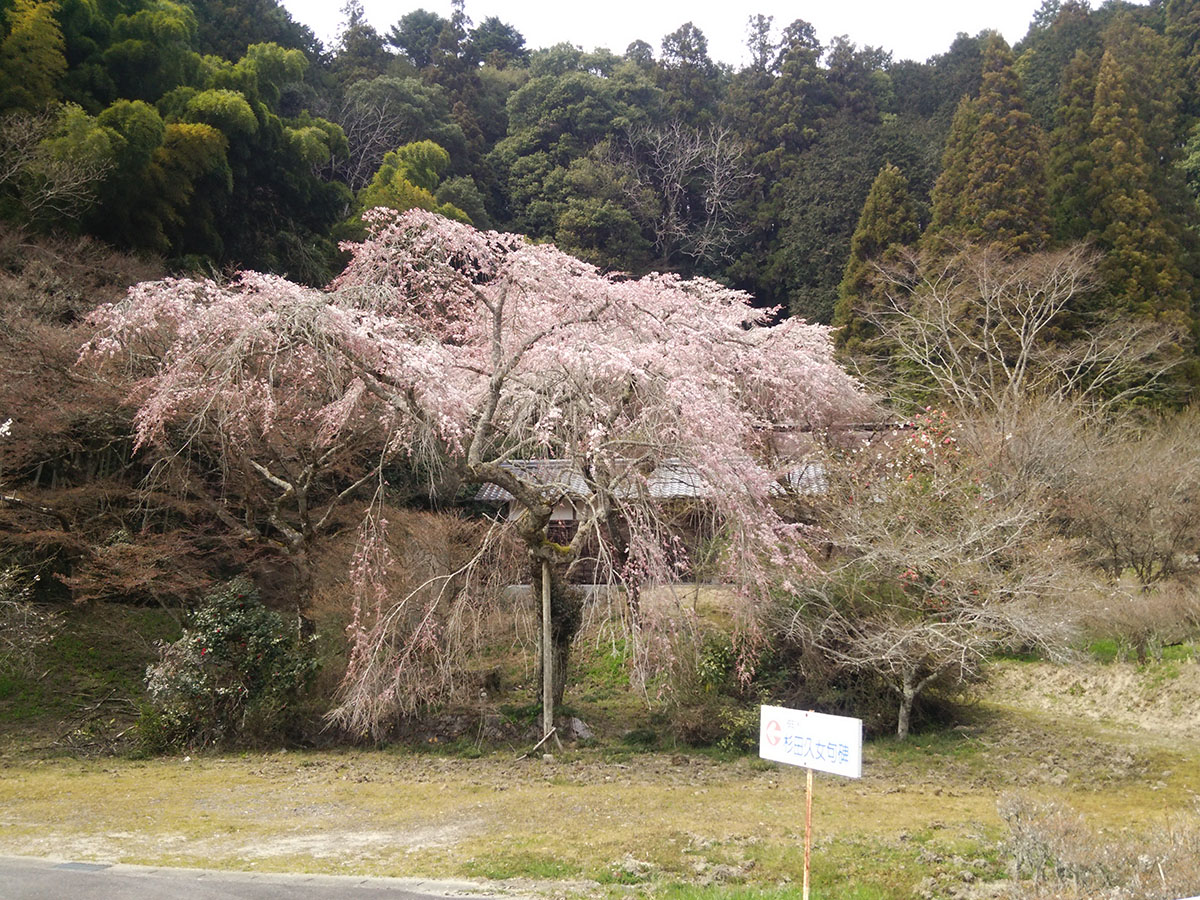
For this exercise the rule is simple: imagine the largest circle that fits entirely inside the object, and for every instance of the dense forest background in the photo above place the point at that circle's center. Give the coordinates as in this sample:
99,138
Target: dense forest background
222,135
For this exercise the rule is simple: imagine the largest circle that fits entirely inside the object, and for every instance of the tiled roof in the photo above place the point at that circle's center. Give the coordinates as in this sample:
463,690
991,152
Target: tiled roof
808,479
672,480
559,474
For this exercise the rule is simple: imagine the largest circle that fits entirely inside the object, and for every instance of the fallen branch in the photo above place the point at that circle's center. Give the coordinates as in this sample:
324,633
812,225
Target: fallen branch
549,734
14,500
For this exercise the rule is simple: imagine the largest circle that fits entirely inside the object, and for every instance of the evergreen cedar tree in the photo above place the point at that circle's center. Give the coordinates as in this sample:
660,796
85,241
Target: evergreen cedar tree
1069,163
992,189
465,350
1140,253
889,222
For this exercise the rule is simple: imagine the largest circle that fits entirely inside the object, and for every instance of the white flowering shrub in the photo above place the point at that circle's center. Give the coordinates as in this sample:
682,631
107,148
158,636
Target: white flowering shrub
24,625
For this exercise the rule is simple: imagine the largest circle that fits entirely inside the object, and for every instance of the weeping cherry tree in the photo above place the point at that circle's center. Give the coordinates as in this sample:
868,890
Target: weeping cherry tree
469,353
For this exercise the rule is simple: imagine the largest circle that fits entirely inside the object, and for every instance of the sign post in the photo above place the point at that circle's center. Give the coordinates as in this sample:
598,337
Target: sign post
817,742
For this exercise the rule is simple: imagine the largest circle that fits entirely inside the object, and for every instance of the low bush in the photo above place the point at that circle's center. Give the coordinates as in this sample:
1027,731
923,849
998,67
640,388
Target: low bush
236,676
712,698
706,702
1055,855
1124,621
24,625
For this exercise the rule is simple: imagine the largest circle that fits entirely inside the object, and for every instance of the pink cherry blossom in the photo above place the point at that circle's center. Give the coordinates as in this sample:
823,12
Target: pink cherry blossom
468,350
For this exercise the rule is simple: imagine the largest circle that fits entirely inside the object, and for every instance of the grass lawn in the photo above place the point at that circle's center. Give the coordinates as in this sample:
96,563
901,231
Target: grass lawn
598,822
1113,741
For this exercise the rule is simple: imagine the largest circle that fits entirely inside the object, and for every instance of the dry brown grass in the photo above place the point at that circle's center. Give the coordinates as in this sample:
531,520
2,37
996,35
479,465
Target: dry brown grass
922,821
574,817
1061,856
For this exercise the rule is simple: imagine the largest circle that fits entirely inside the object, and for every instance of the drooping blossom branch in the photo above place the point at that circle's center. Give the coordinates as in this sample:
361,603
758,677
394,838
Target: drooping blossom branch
469,352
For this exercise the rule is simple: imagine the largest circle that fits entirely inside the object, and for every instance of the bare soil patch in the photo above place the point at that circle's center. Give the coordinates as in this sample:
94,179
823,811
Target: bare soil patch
1102,739
1159,699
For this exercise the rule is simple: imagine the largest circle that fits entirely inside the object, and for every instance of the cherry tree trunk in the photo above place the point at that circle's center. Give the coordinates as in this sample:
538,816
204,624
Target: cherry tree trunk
301,587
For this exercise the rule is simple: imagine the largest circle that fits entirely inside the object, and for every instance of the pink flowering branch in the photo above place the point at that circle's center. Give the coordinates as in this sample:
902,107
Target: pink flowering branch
465,352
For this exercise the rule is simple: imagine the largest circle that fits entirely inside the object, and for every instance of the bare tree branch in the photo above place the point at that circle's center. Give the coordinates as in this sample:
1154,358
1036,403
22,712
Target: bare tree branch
991,332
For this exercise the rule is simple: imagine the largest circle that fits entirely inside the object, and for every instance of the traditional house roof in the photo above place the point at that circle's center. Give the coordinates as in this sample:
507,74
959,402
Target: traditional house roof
672,480
808,479
559,474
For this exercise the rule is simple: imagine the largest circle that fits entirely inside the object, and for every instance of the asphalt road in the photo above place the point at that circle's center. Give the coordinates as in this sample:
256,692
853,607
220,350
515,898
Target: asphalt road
41,879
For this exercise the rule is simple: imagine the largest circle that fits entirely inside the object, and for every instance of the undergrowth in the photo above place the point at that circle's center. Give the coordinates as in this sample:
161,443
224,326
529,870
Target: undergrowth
79,690
1058,855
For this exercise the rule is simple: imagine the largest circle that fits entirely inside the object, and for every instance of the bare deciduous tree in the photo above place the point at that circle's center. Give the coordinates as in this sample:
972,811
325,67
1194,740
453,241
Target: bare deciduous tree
380,115
1133,505
1136,500
371,131
989,332
933,568
694,177
47,184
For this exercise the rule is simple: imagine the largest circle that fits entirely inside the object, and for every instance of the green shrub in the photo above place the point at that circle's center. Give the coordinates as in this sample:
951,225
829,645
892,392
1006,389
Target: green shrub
234,677
707,703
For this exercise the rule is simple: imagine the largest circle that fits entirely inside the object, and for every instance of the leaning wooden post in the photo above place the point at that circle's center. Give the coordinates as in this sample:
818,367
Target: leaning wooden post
547,656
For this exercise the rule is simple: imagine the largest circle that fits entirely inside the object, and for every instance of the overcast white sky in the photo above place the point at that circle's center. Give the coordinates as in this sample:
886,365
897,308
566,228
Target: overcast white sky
916,29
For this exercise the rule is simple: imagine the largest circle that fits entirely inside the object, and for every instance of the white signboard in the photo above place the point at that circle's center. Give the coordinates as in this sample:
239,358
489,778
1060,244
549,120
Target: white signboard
813,740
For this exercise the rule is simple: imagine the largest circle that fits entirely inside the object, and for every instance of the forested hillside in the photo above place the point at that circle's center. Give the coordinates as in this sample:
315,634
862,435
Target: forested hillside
222,135
1007,240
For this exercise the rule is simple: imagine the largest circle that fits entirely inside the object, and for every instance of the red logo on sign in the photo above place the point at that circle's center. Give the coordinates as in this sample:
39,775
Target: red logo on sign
773,730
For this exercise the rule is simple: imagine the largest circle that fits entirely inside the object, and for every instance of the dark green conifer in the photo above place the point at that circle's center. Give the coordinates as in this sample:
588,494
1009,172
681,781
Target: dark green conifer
889,222
950,189
992,189
1005,202
1058,32
1070,159
1183,31
1152,76
1141,260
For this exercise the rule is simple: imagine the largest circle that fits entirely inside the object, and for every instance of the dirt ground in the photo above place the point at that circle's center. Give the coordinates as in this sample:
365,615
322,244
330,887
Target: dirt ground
1113,741
1161,700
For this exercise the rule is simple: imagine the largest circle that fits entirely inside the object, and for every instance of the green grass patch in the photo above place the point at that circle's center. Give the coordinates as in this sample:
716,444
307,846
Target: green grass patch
1179,652
1110,650
89,675
604,670
922,747
1019,656
699,892
513,863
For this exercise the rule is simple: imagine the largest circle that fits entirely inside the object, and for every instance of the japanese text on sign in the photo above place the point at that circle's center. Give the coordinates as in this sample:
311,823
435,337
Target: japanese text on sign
813,740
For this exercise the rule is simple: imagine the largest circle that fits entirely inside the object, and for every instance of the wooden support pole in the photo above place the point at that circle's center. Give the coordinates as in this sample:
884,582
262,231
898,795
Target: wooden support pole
547,657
